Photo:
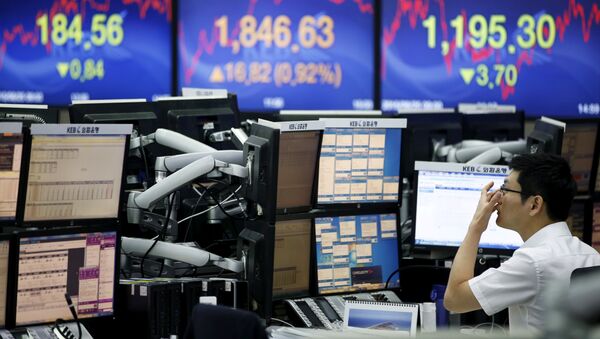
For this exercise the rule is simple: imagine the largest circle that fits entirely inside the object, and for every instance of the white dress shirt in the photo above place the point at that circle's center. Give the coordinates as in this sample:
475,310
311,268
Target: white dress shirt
547,257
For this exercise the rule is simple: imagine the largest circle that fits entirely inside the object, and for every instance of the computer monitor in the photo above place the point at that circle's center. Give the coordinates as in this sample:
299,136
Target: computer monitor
11,150
579,141
29,114
446,198
493,127
284,157
200,119
81,262
74,173
291,259
579,219
356,252
360,162
5,252
137,112
425,134
546,137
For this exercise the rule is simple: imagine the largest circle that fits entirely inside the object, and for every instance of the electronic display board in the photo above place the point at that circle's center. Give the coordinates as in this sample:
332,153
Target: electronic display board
280,54
541,56
57,51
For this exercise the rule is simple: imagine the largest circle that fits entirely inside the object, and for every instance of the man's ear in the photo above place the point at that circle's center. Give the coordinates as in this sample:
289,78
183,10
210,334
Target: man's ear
536,203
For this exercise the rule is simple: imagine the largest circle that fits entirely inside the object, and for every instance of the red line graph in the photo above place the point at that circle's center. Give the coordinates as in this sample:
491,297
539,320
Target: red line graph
18,33
418,10
206,45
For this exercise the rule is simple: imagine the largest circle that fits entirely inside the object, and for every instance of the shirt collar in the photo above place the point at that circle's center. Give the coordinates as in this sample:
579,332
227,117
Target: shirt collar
557,229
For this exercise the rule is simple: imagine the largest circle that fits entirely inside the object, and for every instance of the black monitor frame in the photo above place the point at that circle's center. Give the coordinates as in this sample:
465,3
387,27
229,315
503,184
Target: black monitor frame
13,278
417,143
139,113
314,288
493,126
546,134
185,115
23,182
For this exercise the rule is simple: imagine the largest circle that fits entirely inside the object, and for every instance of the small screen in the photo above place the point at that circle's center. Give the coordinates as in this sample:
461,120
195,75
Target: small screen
356,253
359,165
75,175
297,167
291,262
446,201
82,265
4,251
11,148
578,148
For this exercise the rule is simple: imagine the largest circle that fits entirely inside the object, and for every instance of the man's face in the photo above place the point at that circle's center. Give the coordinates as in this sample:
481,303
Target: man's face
512,212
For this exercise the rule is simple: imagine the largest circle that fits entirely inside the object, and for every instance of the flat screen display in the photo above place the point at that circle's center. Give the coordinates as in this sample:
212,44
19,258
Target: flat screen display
578,148
280,54
75,171
440,53
54,52
360,161
356,253
82,265
447,196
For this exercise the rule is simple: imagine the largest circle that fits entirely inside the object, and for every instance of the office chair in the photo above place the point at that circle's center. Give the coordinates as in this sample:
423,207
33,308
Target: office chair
220,322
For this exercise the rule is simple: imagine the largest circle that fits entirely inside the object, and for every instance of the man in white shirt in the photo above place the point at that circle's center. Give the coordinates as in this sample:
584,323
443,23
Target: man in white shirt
534,201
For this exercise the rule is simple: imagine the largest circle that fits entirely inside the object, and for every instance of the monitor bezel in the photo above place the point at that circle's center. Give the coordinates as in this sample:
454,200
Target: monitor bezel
314,286
64,222
591,188
11,272
363,207
13,287
440,250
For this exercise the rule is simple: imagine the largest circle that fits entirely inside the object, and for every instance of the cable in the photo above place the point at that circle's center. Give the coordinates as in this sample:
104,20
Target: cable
187,231
226,200
72,309
283,322
165,226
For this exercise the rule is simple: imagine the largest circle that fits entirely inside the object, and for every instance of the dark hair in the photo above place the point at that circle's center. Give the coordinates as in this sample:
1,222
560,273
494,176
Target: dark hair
549,176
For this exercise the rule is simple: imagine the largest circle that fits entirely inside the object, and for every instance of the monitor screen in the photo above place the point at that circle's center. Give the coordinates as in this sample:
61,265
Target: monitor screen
596,227
55,52
4,262
81,264
280,54
75,172
291,259
11,149
446,198
440,53
578,148
356,253
577,219
360,161
298,152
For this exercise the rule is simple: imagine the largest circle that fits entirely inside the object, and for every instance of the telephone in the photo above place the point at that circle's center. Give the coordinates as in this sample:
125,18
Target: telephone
328,311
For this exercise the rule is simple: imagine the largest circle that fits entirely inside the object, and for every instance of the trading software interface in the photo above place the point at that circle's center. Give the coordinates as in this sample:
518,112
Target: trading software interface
291,262
11,148
446,201
81,265
74,176
355,253
359,165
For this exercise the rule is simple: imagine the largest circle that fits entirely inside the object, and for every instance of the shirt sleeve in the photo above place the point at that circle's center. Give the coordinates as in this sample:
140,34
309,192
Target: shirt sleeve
514,282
